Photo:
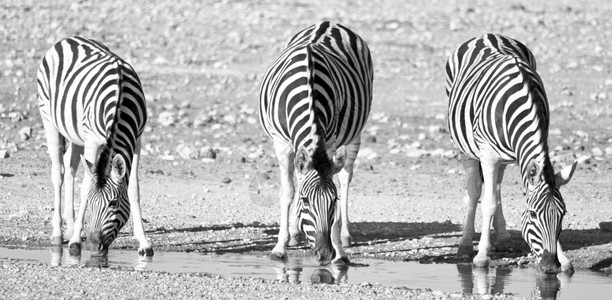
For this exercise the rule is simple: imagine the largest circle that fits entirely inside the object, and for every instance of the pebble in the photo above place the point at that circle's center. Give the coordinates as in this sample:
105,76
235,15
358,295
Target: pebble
226,180
25,133
605,226
166,118
4,153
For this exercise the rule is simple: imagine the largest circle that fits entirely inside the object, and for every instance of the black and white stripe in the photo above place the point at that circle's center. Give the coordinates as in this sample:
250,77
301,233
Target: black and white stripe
315,98
498,114
92,100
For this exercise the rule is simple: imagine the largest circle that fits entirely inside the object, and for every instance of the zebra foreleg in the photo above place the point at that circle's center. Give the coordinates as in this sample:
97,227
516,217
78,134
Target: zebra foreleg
474,189
145,248
55,148
344,177
71,158
490,166
499,222
285,157
90,154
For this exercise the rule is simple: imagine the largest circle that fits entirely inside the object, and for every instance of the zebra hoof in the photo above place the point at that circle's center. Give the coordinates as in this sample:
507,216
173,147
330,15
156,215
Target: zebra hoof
278,256
568,269
341,261
347,241
57,240
145,251
74,249
480,262
295,240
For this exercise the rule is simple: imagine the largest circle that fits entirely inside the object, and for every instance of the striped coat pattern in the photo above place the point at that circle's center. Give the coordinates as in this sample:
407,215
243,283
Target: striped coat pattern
498,114
91,102
314,101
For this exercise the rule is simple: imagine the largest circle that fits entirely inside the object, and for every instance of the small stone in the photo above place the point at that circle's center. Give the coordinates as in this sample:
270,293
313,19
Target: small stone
4,153
366,284
25,133
166,118
209,153
605,226
187,152
597,151
226,180
584,159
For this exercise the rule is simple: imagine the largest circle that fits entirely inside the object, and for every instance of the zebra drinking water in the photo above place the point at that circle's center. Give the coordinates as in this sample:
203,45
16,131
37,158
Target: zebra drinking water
314,101
498,114
92,106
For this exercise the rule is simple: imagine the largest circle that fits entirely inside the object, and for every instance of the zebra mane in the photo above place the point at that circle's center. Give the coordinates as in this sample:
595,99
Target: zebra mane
320,162
539,101
103,166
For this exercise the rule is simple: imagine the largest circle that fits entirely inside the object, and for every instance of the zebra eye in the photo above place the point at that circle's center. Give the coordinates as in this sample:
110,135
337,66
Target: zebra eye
533,214
113,203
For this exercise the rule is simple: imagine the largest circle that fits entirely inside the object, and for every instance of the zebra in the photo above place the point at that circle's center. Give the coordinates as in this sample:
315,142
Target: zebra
314,101
498,114
93,107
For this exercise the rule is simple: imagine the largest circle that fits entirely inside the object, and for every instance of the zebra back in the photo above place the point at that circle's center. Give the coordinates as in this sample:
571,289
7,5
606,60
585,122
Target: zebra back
319,87
93,96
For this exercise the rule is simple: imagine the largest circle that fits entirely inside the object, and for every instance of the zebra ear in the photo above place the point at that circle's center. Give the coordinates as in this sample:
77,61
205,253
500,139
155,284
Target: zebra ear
339,159
118,168
87,166
302,160
534,173
563,177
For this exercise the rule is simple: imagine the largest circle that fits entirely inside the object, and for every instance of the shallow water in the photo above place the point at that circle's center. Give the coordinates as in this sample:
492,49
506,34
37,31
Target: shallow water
523,282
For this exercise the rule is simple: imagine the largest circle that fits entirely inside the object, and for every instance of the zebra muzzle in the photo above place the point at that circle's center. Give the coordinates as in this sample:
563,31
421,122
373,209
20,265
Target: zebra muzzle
94,244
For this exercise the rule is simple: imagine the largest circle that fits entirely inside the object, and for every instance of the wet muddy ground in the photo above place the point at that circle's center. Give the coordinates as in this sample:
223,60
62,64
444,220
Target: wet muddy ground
200,64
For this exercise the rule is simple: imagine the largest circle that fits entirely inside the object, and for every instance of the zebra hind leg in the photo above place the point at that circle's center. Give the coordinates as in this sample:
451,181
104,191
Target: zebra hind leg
474,190
55,147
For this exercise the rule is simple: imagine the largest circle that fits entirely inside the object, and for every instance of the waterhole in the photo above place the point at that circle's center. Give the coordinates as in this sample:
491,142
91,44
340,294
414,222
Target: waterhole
522,282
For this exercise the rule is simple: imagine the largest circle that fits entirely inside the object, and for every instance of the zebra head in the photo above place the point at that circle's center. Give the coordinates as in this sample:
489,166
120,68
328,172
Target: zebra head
109,203
541,221
317,198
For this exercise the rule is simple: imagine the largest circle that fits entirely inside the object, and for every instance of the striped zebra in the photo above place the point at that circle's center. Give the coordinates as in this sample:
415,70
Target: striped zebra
498,114
93,107
314,101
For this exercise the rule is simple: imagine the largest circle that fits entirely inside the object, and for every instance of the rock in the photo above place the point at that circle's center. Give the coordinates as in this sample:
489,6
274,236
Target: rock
4,153
584,159
25,133
187,152
367,153
226,180
597,152
208,153
166,118
605,226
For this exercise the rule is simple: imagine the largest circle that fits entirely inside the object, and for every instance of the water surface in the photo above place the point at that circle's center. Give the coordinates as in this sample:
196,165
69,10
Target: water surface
523,282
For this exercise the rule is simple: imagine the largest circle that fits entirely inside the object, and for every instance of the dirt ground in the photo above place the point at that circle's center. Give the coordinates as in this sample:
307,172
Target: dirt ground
201,62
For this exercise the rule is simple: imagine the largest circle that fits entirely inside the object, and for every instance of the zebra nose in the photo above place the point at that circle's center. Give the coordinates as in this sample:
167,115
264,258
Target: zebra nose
94,244
549,263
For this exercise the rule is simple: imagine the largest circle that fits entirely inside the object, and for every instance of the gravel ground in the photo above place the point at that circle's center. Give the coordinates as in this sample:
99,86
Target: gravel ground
200,63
